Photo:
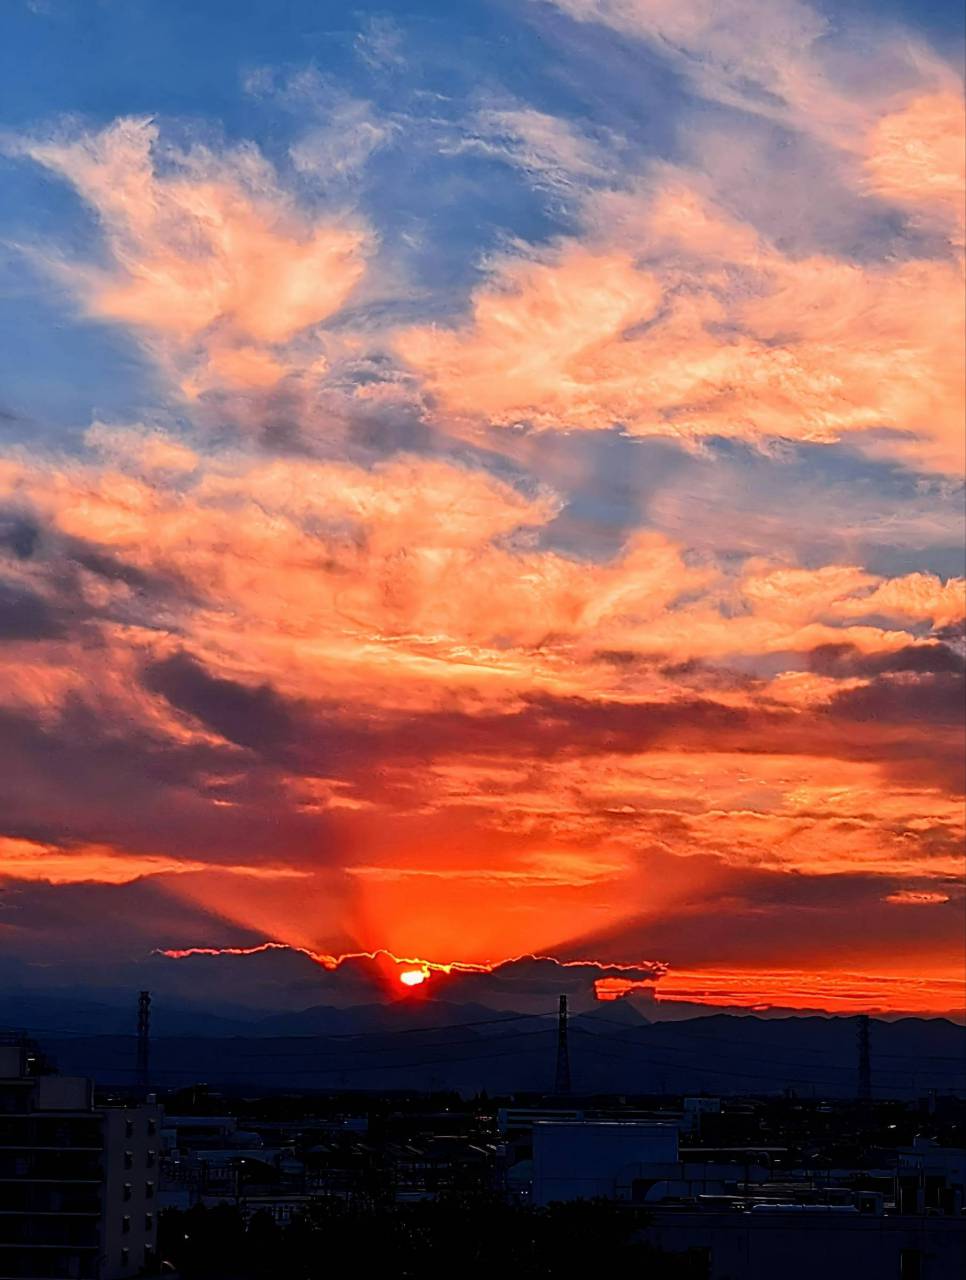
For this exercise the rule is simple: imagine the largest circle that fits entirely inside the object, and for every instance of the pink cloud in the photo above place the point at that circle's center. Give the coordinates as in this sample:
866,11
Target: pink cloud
678,320
916,156
212,265
786,62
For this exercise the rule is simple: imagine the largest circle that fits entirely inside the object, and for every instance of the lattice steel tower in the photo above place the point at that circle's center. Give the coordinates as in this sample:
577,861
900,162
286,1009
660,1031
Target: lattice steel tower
865,1060
144,1038
561,1082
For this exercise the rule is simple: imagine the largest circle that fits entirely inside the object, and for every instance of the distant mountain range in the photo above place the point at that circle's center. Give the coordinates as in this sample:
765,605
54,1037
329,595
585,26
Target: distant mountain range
438,1044
236,991
275,1019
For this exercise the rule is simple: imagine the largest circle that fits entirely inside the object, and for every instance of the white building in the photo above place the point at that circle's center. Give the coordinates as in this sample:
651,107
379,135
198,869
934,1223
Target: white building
77,1182
930,1178
589,1159
800,1242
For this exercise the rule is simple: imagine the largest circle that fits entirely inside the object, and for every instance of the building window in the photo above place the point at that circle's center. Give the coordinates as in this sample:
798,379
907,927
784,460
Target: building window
152,1128
149,1160
149,1222
125,1257
129,1128
126,1225
149,1191
128,1159
127,1191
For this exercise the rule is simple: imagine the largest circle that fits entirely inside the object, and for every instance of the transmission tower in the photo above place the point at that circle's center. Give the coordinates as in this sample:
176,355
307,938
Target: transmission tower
561,1082
144,1038
865,1060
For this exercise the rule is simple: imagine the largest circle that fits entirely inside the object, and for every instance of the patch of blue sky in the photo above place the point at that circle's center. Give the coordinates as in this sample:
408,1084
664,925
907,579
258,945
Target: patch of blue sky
812,504
56,377
943,22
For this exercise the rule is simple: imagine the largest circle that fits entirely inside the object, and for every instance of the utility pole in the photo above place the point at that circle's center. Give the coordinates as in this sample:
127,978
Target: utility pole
561,1083
865,1060
144,1038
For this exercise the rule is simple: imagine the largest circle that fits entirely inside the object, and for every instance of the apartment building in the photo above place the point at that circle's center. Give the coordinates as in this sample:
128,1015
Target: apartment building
77,1182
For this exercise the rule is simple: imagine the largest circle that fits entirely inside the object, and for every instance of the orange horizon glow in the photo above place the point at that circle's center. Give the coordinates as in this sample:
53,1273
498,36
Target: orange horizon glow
831,992
936,994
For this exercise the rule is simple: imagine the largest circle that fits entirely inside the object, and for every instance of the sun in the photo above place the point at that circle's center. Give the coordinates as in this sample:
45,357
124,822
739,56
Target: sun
412,977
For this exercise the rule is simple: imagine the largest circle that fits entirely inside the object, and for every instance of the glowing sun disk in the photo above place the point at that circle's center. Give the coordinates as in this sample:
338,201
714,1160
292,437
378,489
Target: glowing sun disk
412,977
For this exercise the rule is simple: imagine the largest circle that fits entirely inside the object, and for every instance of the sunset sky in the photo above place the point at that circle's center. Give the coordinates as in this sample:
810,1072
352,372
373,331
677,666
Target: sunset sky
482,480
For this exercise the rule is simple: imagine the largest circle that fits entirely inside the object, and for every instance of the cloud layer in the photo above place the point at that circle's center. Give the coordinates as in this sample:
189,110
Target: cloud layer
595,596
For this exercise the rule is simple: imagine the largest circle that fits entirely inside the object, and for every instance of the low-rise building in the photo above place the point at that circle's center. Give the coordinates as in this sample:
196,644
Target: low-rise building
802,1241
930,1178
592,1159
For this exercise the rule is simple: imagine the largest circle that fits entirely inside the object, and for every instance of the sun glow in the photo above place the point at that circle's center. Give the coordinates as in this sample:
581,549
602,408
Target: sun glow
413,977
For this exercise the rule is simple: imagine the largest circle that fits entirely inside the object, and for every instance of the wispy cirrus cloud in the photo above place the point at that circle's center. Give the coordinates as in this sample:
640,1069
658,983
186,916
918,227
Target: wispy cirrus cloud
675,319
695,320
211,265
791,63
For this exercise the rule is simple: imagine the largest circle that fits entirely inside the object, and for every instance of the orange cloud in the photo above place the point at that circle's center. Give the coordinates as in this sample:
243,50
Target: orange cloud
916,156
28,860
212,265
916,898
543,745
680,321
416,579
921,596
835,990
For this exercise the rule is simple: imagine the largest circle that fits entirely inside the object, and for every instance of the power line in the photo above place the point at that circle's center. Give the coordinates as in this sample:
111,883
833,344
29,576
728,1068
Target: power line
332,1070
313,1050
387,1048
746,1044
703,1069
709,1040
317,1035
591,1042
841,1070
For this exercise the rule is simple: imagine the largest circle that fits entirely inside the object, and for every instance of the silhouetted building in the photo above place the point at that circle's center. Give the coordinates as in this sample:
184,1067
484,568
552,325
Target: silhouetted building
802,1241
77,1182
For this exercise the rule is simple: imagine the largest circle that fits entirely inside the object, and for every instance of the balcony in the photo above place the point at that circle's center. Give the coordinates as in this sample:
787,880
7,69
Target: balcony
49,1231
46,1165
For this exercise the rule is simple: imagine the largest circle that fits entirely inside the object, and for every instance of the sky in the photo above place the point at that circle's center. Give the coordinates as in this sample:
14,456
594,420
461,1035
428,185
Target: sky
482,481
